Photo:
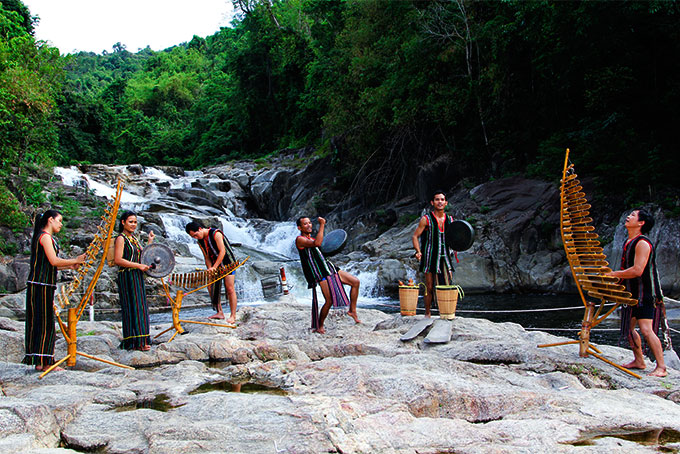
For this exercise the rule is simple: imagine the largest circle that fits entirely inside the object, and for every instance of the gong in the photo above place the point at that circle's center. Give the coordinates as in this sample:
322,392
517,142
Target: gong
460,235
160,258
333,242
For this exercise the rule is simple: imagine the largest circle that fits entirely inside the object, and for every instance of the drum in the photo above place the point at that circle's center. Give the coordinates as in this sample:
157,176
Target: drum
460,235
333,242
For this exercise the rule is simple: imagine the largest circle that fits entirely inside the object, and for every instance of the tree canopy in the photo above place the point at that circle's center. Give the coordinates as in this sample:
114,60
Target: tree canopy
496,87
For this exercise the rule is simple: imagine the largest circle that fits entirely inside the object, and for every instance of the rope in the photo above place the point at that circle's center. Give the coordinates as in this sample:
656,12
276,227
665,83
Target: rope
570,329
502,311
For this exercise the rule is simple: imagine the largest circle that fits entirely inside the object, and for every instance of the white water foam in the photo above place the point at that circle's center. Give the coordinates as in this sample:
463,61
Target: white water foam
71,176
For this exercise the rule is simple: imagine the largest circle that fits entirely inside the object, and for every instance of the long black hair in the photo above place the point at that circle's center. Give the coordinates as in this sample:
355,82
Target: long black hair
40,223
123,218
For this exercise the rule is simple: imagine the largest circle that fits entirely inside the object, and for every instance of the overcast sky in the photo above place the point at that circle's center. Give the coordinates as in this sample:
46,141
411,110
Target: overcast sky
96,25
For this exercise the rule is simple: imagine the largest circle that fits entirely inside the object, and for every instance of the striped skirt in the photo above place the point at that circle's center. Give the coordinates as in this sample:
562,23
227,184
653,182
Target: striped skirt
40,330
134,309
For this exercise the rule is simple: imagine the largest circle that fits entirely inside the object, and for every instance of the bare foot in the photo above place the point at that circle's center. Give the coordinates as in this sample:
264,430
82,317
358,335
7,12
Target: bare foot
217,317
354,316
634,365
231,320
658,372
145,348
320,330
428,316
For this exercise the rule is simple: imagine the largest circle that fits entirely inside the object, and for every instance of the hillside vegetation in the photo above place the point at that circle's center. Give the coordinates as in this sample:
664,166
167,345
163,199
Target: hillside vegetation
498,88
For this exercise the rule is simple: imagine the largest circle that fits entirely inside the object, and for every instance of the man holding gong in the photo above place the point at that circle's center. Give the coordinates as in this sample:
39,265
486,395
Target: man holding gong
429,241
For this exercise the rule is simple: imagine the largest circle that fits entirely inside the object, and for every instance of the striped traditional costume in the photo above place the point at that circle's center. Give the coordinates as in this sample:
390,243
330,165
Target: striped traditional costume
209,247
316,269
40,288
646,288
436,257
133,298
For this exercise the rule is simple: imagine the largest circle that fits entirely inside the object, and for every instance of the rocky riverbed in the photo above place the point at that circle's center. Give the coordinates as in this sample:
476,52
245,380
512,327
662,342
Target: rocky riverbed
357,389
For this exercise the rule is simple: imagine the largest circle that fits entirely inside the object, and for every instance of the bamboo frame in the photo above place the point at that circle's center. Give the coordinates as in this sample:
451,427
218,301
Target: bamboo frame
588,264
198,281
101,241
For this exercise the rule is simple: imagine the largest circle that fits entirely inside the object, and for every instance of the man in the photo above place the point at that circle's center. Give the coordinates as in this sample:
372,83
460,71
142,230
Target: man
216,251
640,276
318,271
431,249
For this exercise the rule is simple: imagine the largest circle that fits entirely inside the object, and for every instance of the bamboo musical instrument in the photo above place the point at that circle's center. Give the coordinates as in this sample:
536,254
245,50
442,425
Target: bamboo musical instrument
588,264
102,240
195,281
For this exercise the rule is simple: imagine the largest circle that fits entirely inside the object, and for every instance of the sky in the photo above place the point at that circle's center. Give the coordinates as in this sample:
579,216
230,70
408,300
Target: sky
96,25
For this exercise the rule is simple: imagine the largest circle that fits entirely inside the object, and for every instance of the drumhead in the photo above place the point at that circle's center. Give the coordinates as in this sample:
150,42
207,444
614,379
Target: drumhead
160,258
460,235
333,242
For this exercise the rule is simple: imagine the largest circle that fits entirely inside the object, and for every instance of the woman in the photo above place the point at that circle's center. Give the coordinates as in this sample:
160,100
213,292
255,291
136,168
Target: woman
128,252
40,287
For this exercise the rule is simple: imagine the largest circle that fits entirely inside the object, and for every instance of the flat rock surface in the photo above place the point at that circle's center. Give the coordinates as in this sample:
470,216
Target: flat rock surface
357,389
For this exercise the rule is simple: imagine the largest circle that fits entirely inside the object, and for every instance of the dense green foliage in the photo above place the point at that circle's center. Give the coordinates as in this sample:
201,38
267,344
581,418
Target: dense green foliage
497,87
30,75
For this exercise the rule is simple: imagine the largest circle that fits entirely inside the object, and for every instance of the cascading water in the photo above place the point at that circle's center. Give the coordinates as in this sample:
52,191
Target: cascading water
266,242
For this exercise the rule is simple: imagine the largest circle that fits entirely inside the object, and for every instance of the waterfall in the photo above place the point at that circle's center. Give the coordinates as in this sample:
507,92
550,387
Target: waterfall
71,176
269,243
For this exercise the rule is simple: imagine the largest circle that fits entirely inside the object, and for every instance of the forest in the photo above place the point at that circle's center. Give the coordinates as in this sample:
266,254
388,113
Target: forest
498,88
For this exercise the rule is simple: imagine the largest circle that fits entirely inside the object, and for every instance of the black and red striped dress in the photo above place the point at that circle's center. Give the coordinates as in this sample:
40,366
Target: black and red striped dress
132,295
40,288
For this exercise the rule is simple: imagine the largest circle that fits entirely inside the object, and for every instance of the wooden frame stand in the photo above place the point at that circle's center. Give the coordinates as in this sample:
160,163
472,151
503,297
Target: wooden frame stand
588,264
198,280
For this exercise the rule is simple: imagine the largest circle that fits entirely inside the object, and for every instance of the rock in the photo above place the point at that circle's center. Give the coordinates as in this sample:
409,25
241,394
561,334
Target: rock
357,389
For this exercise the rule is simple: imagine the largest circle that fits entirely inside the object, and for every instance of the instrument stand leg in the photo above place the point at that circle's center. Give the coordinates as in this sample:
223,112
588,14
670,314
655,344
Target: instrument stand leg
584,334
72,345
585,347
176,305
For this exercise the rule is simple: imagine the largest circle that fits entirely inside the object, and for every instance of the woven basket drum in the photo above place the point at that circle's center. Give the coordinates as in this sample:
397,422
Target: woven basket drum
408,299
447,299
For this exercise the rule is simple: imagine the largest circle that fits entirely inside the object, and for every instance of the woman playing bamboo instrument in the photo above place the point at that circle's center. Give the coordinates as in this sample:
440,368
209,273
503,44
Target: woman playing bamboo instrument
41,284
131,291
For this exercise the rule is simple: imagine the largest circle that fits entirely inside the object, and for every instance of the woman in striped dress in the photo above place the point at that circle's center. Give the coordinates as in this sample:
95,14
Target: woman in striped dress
128,252
40,287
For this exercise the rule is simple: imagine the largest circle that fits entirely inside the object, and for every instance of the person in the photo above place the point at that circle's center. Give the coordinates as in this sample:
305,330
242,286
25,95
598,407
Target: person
40,288
640,276
436,261
135,311
318,270
217,251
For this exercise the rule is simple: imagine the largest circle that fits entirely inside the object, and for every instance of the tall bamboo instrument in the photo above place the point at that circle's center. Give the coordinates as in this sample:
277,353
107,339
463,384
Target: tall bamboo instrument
195,281
95,255
588,264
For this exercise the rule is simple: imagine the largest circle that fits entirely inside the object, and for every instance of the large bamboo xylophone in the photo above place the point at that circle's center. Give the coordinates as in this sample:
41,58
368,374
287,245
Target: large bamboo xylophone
588,263
96,254
194,281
